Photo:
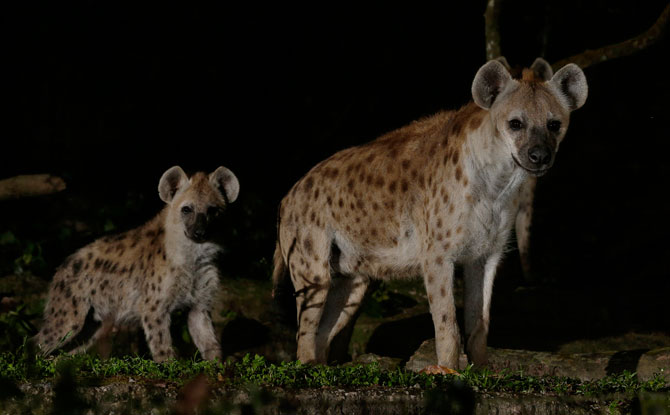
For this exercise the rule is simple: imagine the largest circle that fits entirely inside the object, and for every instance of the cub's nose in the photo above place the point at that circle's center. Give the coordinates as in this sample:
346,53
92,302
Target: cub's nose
539,155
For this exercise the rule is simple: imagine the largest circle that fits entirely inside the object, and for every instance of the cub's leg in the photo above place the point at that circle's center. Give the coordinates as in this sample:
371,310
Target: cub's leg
479,276
201,329
310,272
101,337
156,325
64,316
344,298
438,276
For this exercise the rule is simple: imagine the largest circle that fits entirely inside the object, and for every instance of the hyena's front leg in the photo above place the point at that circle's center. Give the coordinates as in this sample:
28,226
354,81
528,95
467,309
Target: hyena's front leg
438,276
479,276
156,324
201,329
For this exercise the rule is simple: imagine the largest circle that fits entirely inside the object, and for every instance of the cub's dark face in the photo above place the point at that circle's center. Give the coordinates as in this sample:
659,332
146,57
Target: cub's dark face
197,203
201,219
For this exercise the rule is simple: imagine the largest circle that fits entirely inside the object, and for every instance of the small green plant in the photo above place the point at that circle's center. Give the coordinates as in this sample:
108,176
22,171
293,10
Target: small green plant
25,255
256,370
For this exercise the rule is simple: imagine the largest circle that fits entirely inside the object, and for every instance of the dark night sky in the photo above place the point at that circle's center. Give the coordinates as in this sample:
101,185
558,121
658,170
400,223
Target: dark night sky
110,97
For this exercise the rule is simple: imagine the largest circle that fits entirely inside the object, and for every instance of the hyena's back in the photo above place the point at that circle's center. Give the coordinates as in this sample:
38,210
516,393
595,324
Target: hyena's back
110,275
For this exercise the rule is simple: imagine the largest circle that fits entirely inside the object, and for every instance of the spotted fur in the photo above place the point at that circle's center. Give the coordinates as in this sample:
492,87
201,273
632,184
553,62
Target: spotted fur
416,201
142,275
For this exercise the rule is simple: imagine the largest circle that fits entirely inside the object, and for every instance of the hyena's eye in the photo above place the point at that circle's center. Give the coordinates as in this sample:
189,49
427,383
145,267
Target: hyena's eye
553,125
186,210
515,125
213,211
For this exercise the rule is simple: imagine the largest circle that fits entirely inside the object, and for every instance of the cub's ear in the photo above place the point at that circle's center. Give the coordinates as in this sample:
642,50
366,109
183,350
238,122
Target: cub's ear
225,181
570,83
504,62
542,69
171,182
490,81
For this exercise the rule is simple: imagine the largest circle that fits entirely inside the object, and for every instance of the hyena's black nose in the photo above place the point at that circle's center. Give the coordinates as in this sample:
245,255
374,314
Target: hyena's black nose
539,155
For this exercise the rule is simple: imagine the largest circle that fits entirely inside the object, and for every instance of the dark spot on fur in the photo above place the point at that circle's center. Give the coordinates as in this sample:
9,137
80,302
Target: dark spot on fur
454,157
392,186
309,182
76,267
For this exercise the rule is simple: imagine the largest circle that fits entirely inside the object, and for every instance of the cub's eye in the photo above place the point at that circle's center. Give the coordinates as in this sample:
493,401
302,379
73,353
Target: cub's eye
553,125
515,125
213,211
186,210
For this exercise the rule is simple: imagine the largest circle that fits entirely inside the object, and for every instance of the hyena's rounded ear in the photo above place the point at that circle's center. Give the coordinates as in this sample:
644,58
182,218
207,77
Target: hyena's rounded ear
171,181
225,181
542,69
504,62
570,83
490,81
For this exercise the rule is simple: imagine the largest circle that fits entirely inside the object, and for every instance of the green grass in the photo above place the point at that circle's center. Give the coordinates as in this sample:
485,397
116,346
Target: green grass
20,367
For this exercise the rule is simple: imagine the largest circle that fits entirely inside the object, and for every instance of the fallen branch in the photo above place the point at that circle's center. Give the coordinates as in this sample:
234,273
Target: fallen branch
621,49
30,185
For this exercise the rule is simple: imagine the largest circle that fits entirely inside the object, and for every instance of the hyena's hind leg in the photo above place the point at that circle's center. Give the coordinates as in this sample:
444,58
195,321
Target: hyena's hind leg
310,272
524,218
64,317
101,337
344,299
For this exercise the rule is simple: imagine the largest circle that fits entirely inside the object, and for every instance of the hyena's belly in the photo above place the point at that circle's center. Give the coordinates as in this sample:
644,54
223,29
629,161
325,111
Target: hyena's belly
375,258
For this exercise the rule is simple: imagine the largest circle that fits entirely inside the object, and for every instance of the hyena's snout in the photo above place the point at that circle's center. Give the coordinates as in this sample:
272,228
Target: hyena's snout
539,153
199,229
540,156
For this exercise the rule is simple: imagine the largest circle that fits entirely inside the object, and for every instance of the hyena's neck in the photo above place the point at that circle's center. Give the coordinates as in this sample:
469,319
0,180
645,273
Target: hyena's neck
488,161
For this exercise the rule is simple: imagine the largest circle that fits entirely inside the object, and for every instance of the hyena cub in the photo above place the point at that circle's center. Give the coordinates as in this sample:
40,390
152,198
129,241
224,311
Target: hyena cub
441,191
146,273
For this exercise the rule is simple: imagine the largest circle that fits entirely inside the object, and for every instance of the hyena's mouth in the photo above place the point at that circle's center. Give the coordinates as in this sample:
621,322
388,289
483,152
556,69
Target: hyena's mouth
195,238
534,172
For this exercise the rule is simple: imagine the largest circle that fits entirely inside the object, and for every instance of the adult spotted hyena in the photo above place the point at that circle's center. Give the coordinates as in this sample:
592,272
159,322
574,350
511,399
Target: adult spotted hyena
440,191
144,274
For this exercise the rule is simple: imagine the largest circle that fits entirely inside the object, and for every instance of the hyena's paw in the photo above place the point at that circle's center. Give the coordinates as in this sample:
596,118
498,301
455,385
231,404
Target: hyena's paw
163,355
213,353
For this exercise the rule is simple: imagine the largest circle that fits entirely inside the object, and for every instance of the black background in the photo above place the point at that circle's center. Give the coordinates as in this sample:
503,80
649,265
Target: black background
110,96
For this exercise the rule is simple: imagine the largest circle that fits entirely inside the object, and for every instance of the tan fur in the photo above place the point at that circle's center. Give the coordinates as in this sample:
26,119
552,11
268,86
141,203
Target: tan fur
440,191
142,275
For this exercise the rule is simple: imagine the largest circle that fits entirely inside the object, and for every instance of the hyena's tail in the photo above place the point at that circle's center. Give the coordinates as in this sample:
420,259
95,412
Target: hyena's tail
282,290
64,313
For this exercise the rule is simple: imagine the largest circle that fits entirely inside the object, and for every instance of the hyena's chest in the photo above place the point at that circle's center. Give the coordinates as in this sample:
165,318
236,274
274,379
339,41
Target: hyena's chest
486,221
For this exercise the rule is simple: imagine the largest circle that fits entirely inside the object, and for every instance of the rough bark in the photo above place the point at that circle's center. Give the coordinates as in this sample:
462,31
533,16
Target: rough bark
30,185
